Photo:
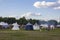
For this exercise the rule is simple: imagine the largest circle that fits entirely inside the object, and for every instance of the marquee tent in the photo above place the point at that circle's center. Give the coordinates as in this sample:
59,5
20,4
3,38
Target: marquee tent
36,27
15,26
3,24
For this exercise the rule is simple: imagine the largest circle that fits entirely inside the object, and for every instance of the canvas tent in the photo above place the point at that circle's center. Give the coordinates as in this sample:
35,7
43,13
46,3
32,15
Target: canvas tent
4,25
15,26
36,27
29,26
44,26
58,26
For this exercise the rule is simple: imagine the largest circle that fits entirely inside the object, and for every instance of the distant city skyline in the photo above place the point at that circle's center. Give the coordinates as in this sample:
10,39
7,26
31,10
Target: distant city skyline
35,9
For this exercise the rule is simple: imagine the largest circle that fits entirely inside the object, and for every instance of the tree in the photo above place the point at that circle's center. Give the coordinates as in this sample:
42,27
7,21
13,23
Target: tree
52,22
33,21
42,22
1,19
22,21
9,20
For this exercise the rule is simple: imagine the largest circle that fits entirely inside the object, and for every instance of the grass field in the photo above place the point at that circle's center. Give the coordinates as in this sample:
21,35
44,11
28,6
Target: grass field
30,35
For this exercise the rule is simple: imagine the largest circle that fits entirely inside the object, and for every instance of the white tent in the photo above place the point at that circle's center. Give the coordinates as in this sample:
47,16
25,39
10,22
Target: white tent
44,26
15,26
58,26
36,27
3,24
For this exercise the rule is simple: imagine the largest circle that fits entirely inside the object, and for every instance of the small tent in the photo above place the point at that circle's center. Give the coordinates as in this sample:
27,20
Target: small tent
44,26
15,26
58,26
29,26
4,25
36,27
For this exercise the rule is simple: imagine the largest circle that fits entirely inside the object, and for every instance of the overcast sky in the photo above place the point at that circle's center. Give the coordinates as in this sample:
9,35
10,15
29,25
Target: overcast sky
36,9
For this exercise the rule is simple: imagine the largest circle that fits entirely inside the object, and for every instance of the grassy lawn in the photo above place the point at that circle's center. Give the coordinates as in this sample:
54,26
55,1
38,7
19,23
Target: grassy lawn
29,35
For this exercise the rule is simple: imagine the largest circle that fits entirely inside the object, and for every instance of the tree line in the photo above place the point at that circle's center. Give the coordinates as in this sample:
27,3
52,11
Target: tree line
23,21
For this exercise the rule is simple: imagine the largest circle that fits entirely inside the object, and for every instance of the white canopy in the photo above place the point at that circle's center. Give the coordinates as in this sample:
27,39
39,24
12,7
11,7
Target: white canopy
15,26
58,25
36,26
3,23
44,25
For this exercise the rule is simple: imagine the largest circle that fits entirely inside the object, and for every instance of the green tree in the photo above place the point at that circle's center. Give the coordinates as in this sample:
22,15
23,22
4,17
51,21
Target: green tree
1,19
22,21
52,22
9,20
33,21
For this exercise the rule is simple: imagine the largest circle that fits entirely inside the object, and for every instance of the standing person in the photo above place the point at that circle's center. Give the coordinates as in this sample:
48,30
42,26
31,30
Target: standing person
48,28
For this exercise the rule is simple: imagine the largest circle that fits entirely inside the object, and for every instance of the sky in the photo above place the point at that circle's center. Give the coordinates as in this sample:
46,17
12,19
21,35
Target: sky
35,9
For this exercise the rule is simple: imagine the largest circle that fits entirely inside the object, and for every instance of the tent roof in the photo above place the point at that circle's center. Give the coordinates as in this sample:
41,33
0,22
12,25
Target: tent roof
58,25
28,24
15,23
35,24
3,23
44,25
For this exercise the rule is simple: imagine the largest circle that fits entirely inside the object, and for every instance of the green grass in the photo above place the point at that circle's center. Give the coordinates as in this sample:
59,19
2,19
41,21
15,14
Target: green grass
30,35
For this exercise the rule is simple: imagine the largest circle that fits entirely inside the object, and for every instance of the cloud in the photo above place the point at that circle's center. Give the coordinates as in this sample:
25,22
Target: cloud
44,4
57,7
28,14
58,1
37,14
15,16
12,16
39,4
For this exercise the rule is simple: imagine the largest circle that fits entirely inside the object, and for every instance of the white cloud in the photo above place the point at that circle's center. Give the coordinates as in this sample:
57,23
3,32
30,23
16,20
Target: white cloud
29,14
12,16
43,4
58,1
37,14
26,14
37,4
57,7
50,3
15,16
